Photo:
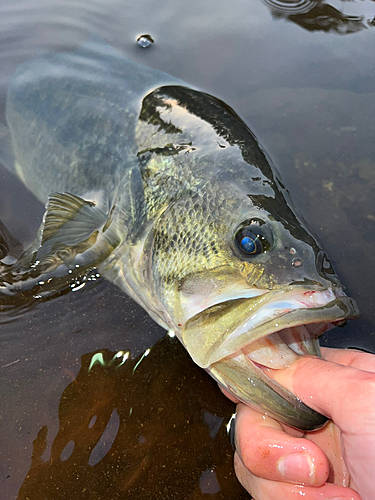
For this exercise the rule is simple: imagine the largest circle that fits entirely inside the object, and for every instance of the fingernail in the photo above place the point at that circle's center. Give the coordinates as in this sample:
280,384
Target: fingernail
298,467
231,429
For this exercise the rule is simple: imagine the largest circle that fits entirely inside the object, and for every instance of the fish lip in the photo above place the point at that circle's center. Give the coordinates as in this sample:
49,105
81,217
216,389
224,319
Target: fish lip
344,305
336,308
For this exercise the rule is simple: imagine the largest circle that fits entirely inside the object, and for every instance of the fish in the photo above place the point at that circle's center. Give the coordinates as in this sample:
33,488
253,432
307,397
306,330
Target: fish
10,248
162,189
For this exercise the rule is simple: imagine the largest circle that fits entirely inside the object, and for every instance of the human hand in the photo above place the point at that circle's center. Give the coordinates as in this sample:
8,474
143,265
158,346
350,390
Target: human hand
273,461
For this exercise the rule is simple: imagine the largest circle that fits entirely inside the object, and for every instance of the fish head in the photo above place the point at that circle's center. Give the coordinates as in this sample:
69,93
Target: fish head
238,275
247,288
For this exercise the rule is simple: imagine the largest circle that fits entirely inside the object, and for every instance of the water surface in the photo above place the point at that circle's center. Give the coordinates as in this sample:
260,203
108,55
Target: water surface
301,74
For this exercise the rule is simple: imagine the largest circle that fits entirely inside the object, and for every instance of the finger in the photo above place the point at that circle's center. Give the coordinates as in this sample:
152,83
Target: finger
264,489
350,357
268,452
330,388
328,439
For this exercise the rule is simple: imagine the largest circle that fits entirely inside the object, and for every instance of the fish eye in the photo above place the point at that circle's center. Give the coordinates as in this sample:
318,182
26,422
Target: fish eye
253,238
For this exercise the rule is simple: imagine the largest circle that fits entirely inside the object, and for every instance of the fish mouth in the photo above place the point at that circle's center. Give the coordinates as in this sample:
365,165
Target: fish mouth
237,341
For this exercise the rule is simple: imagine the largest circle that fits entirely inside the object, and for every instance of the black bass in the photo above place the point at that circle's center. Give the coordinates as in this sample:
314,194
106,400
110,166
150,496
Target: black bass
164,190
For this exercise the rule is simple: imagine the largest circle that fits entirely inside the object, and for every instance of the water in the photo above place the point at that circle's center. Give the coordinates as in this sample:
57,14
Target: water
301,75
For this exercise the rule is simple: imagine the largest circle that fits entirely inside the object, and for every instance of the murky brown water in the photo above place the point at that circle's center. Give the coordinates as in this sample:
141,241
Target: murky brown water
302,75
130,429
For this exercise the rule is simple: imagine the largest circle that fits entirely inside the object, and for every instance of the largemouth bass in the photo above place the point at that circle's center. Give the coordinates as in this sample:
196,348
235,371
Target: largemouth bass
164,190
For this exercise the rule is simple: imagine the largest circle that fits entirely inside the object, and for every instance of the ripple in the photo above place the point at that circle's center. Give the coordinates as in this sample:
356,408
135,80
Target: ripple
290,7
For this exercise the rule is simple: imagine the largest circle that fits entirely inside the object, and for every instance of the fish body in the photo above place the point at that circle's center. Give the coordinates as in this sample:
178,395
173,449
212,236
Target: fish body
166,191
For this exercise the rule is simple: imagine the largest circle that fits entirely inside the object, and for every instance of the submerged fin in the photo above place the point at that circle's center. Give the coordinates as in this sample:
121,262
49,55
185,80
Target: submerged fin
72,240
10,247
7,158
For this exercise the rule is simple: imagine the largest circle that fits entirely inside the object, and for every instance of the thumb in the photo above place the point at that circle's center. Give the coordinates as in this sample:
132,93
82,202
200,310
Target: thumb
342,393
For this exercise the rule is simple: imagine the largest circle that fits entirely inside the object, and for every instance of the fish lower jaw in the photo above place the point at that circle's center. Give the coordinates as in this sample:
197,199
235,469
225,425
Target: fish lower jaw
250,374
280,349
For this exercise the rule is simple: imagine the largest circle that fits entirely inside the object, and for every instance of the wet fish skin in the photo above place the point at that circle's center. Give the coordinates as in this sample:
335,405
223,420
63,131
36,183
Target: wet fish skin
198,213
153,181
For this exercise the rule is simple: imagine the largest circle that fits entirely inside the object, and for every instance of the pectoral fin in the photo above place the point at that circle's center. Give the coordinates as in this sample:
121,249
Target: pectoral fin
70,226
75,236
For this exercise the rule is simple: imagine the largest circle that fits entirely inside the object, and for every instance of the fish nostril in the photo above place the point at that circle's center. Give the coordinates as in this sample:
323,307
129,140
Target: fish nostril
297,262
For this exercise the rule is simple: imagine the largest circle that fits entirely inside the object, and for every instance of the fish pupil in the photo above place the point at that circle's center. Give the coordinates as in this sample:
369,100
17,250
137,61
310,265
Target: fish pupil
248,244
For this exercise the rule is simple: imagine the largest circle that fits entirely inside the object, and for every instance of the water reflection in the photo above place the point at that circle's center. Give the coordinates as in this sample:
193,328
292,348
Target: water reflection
150,427
319,16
